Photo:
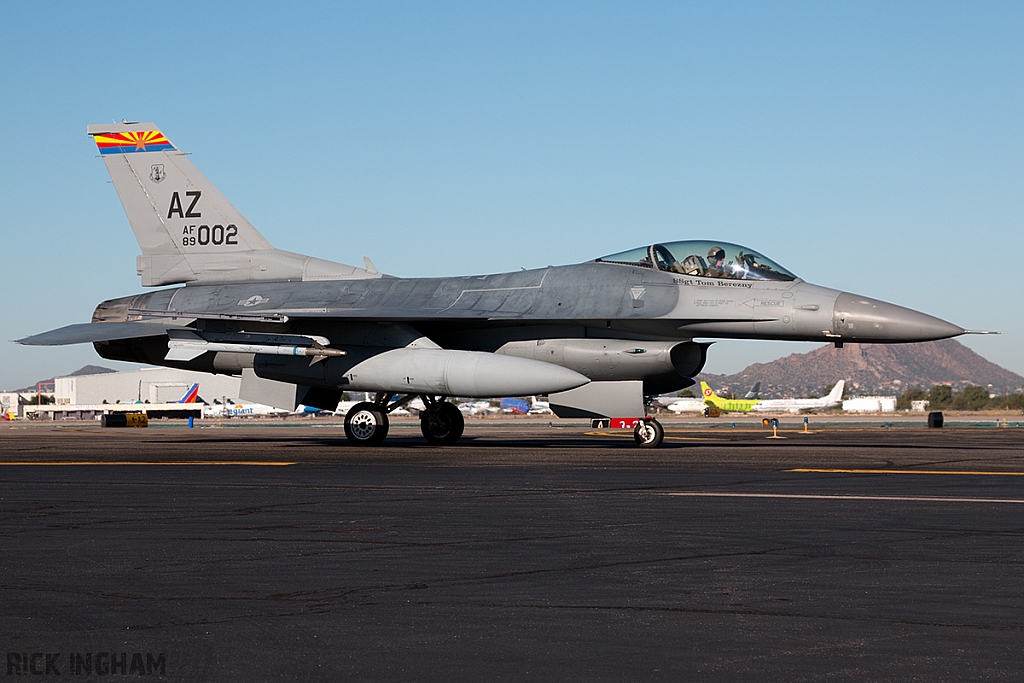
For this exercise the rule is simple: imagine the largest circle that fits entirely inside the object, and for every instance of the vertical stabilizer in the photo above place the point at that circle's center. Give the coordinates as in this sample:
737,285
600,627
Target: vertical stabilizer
707,392
188,230
166,198
191,395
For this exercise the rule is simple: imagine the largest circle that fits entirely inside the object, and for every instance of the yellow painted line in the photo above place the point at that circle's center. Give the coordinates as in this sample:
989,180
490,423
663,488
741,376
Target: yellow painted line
69,463
806,470
811,496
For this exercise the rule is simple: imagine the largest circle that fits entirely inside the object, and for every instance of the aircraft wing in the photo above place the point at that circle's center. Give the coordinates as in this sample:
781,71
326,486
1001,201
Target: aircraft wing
94,332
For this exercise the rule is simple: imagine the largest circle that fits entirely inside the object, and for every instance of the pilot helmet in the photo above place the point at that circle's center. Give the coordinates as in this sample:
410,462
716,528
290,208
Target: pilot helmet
716,253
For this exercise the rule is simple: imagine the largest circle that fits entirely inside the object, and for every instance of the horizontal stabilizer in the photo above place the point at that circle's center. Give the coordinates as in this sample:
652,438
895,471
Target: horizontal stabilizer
83,333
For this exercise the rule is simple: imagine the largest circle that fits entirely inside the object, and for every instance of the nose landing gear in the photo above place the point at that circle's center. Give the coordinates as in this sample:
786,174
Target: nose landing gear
648,433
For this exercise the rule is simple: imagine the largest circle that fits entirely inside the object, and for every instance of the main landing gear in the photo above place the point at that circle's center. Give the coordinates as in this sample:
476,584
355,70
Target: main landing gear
441,423
366,424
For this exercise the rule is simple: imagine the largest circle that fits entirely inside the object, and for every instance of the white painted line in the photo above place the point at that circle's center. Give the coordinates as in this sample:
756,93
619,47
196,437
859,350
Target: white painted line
811,496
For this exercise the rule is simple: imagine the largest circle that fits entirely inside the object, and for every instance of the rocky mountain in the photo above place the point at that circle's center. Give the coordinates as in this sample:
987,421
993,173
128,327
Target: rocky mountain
91,370
884,369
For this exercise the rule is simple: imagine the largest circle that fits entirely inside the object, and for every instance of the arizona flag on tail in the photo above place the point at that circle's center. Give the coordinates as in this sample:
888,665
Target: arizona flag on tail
133,141
191,395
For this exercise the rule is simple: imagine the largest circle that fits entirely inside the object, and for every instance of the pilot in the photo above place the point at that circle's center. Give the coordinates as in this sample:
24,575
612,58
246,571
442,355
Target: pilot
716,262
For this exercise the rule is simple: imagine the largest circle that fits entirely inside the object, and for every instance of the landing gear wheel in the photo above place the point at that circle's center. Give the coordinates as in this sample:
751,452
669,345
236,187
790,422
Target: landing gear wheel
442,424
649,434
366,425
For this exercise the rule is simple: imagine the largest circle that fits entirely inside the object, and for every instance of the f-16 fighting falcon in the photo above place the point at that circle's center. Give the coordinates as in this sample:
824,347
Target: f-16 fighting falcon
600,338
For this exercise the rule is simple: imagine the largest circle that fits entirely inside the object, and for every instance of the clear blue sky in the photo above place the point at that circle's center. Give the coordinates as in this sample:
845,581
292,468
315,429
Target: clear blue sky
871,147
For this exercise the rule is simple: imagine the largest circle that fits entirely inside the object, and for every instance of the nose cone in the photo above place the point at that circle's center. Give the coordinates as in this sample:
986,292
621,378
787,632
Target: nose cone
858,318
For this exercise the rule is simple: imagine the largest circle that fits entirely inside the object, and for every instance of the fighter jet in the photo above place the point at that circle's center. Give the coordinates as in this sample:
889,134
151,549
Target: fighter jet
598,337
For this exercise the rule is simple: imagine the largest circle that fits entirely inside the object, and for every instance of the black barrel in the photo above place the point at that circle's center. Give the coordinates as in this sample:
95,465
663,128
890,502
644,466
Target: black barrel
124,420
935,420
114,420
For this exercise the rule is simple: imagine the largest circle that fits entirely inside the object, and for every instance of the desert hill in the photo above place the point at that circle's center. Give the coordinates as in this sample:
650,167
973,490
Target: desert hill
47,384
886,369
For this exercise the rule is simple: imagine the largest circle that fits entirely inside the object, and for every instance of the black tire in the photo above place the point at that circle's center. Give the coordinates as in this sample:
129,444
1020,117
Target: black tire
442,424
366,425
649,434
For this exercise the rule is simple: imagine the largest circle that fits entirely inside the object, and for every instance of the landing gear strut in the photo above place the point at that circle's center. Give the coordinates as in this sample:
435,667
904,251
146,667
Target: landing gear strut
649,433
441,423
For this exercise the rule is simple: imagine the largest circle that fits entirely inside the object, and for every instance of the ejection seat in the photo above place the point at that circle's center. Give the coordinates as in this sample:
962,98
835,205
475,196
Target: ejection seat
693,265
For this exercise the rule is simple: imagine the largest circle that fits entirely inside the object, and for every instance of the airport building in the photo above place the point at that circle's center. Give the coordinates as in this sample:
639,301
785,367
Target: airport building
870,404
9,403
152,385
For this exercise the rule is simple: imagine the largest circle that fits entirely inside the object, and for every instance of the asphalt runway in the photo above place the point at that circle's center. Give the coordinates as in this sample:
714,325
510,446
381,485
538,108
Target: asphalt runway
526,552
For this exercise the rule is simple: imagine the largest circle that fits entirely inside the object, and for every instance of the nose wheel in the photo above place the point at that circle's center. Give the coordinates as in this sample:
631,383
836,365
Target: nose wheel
441,423
649,434
366,424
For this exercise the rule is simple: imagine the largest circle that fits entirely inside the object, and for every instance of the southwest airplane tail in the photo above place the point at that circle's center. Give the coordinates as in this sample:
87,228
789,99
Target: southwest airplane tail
191,395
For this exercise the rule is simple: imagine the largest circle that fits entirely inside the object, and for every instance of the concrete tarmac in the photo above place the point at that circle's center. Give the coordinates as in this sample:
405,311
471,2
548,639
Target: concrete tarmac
526,552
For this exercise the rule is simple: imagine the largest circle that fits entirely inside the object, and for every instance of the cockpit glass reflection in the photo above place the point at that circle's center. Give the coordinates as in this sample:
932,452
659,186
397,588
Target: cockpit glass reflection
704,259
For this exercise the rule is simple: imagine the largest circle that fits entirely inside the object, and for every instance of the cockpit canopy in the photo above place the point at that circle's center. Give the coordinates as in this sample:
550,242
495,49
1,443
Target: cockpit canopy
704,259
